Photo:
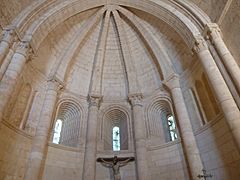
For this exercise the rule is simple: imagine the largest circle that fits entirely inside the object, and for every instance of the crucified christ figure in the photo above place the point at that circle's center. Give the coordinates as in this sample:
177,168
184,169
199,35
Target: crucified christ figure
115,163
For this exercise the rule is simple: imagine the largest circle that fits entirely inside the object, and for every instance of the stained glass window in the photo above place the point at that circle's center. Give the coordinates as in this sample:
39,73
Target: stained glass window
116,138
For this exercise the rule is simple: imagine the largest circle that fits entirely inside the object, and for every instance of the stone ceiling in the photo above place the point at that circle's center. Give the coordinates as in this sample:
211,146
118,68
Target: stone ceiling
123,49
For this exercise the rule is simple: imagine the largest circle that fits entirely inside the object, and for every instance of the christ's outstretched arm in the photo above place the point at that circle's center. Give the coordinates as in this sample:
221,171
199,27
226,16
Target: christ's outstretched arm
106,163
123,163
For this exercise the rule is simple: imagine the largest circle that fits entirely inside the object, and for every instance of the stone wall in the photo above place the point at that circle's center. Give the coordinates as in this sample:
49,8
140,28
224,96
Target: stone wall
167,162
14,150
213,8
218,150
9,9
63,163
67,163
230,29
215,142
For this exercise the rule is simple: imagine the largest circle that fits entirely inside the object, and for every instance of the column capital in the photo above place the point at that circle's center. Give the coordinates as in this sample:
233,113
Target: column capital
136,99
24,48
200,44
94,100
212,31
8,35
172,81
54,84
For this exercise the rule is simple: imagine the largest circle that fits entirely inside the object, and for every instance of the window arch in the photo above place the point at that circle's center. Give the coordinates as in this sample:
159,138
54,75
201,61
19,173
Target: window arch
115,130
206,98
210,94
161,123
66,130
197,109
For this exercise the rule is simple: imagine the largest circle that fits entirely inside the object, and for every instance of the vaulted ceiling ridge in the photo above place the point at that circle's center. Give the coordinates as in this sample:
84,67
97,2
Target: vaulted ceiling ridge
61,10
97,73
164,67
68,54
133,84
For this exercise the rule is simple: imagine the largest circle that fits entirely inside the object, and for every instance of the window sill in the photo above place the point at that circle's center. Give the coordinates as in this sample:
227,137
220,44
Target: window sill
167,144
66,148
16,129
209,124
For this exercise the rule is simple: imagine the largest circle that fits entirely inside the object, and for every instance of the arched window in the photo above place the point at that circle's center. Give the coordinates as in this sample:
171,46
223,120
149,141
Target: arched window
115,130
172,128
116,138
206,98
160,122
67,126
57,131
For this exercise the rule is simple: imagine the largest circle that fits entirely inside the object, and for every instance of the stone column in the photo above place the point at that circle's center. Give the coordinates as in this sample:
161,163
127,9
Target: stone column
39,145
186,132
214,33
11,75
223,95
89,171
140,136
6,62
6,42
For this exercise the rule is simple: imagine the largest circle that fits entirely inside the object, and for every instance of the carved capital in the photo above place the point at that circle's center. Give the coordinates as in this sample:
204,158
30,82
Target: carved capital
94,100
55,84
173,82
200,44
136,99
24,48
8,35
212,31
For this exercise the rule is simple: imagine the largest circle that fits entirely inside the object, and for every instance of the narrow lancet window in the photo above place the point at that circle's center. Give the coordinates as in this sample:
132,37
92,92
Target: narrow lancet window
172,128
57,131
116,138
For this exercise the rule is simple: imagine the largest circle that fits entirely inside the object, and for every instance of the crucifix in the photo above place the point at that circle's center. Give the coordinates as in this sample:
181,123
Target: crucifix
204,175
115,163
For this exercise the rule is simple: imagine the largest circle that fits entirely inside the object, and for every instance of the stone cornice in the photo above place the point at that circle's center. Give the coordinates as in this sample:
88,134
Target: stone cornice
209,124
16,130
165,145
66,148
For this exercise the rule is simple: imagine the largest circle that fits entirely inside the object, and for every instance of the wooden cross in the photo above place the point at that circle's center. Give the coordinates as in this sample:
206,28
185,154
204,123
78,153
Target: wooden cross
204,175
